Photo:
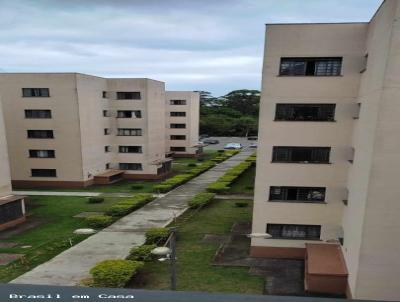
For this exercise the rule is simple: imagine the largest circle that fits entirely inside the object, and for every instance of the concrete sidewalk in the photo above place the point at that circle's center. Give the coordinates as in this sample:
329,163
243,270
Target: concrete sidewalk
73,265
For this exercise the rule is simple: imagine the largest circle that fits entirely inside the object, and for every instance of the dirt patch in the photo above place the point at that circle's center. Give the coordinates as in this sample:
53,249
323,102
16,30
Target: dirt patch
210,238
7,245
8,258
29,224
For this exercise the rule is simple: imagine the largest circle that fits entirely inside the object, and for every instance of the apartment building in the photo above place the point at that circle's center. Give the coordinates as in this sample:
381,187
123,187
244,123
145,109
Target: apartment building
182,123
73,130
12,208
328,160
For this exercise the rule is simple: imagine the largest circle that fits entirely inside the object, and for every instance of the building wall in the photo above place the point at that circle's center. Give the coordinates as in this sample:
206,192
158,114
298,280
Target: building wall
192,120
5,180
333,40
371,220
63,103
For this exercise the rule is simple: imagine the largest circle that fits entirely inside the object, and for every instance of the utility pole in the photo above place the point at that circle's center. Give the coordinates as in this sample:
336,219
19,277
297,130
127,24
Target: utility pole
173,257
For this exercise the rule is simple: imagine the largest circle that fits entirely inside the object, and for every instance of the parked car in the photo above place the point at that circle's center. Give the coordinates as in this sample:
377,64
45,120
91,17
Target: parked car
203,136
253,145
211,141
252,138
233,146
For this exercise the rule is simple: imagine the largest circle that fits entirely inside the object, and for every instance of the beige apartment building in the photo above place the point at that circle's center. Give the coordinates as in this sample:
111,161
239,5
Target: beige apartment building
73,130
182,123
12,208
328,167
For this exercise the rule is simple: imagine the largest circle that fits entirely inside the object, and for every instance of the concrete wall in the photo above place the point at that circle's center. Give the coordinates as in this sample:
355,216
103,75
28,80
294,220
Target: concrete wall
63,103
5,180
371,220
192,120
333,40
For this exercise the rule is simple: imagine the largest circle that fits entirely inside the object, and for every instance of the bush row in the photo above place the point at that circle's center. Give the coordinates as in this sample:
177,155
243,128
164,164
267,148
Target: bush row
114,273
180,179
223,183
201,200
119,209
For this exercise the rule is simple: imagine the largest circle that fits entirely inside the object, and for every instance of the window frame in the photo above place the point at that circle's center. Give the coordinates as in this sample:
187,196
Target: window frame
309,63
37,170
325,112
285,192
130,130
306,226
140,165
290,150
173,137
122,147
33,95
182,149
48,114
50,152
173,125
39,131
134,95
177,114
178,102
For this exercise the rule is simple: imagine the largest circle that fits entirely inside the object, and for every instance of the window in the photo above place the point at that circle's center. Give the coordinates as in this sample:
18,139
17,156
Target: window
129,114
104,94
42,153
107,149
310,66
305,112
35,92
130,166
178,149
43,173
132,95
302,194
108,165
178,126
106,131
130,149
177,102
294,231
30,113
129,132
106,113
301,154
177,113
40,134
178,137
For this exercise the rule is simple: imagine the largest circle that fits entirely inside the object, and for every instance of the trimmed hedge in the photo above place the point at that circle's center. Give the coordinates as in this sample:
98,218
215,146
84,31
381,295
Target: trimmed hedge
218,187
129,205
137,187
241,204
99,221
114,273
157,235
201,200
95,199
142,253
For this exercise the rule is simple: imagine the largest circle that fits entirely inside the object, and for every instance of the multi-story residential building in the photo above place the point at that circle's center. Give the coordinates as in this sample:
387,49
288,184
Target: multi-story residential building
328,156
12,208
73,130
182,123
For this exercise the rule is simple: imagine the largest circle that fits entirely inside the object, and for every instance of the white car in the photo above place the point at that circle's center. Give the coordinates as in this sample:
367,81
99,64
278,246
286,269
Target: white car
233,146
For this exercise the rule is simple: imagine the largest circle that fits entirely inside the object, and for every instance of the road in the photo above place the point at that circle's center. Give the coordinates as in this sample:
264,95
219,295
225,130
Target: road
225,140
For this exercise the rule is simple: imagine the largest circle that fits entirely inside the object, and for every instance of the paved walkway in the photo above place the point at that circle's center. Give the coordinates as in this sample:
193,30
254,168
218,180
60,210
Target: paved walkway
235,196
115,241
52,193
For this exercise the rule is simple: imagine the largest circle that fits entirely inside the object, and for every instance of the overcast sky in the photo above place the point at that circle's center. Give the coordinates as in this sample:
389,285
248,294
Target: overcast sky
213,45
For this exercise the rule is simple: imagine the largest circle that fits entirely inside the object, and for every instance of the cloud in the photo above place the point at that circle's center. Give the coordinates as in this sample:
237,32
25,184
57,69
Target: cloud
209,45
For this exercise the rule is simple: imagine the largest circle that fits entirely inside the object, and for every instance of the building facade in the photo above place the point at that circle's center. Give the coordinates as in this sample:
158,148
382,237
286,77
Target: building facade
182,123
328,155
12,208
73,130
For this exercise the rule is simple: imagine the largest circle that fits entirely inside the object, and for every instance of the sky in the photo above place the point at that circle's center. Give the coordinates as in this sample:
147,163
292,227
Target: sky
211,45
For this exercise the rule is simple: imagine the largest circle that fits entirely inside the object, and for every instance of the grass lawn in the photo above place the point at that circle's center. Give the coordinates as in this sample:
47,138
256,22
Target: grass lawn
52,236
194,271
179,166
245,182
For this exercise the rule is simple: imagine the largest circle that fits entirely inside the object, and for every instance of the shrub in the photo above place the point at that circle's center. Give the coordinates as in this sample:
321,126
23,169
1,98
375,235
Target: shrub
221,151
162,188
228,178
99,221
249,187
192,165
95,199
119,210
114,273
200,159
137,187
218,187
157,235
241,204
201,200
142,253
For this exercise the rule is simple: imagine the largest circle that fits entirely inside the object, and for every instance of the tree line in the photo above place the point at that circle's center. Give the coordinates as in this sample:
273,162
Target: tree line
234,114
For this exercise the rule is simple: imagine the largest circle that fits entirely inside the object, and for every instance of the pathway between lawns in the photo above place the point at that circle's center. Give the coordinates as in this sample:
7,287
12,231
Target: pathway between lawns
115,241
